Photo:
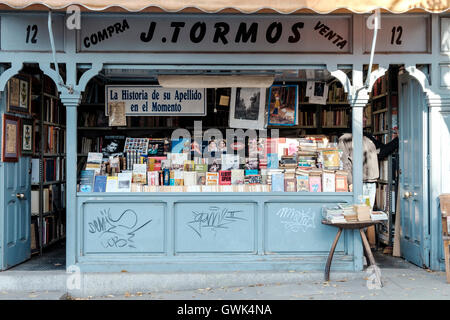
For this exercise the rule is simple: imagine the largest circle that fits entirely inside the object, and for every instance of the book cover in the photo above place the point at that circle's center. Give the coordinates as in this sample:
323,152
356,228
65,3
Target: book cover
230,161
225,177
278,182
181,146
272,161
155,163
251,164
253,179
188,165
178,176
214,166
315,183
201,167
153,178
328,182
100,184
290,185
212,178
302,183
87,180
112,184
341,182
201,178
124,181
190,178
237,176
177,160
140,173
251,172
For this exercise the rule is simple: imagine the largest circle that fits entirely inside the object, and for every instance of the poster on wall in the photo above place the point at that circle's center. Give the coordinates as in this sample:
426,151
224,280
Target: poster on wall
247,108
156,101
283,104
11,137
27,136
19,94
317,92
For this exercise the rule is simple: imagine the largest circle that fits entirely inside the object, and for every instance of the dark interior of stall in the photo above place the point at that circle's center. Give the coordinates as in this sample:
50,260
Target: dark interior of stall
330,119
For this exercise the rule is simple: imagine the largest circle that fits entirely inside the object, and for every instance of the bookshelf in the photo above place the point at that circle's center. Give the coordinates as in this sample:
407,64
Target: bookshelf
381,121
48,166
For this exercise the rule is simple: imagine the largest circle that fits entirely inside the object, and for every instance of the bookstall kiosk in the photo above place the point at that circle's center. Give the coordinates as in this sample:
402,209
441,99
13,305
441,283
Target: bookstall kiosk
158,231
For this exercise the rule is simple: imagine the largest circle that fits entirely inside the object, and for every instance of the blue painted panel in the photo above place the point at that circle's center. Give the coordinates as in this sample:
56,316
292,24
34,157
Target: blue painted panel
297,227
123,227
215,227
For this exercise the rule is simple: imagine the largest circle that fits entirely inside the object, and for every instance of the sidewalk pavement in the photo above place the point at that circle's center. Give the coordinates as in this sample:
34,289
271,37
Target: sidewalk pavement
401,280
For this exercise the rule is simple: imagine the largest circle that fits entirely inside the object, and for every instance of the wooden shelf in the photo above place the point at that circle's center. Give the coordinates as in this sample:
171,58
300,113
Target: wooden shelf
50,95
335,127
48,183
328,103
50,155
380,111
379,96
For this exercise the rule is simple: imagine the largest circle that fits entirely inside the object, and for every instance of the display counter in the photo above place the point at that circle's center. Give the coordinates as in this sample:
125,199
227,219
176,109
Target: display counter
208,232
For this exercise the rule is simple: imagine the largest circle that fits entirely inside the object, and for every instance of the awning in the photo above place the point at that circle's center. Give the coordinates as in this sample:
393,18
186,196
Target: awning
243,6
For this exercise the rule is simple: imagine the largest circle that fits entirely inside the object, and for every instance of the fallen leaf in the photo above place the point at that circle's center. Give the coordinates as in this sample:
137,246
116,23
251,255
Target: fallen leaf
139,294
412,279
123,271
32,296
291,271
127,294
110,296
57,264
237,289
343,280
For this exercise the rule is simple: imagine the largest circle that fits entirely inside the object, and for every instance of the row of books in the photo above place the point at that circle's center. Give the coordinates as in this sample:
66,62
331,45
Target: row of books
53,169
51,230
91,144
344,212
53,111
333,118
278,180
380,122
54,199
336,94
384,169
307,118
382,197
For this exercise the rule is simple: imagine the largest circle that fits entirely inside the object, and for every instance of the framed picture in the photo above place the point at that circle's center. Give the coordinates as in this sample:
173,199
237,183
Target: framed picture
283,104
19,94
11,138
247,108
27,136
317,92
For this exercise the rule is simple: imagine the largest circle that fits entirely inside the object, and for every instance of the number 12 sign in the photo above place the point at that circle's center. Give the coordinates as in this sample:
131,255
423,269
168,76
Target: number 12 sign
405,34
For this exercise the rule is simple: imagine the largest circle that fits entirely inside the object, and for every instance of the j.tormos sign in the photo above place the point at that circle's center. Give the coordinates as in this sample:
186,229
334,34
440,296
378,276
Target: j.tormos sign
157,101
216,34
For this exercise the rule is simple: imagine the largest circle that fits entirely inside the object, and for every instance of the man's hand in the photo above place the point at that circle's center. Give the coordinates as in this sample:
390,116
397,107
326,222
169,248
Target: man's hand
350,187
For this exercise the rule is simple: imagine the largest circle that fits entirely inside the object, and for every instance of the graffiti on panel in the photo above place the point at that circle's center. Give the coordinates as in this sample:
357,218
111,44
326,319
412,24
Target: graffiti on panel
117,231
295,220
214,218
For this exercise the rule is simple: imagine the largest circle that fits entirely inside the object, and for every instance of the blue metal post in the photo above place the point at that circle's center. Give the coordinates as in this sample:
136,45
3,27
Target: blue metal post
71,102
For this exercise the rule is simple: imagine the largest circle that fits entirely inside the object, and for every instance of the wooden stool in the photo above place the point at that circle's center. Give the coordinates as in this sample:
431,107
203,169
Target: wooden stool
445,211
366,246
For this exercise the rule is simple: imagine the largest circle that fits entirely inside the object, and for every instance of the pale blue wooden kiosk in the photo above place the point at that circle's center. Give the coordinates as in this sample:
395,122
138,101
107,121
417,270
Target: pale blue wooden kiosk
160,232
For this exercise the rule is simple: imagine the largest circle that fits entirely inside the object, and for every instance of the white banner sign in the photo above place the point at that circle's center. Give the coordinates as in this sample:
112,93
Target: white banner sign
220,33
157,101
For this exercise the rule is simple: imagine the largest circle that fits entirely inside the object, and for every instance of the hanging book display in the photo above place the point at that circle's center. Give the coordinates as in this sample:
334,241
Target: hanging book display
283,105
247,108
